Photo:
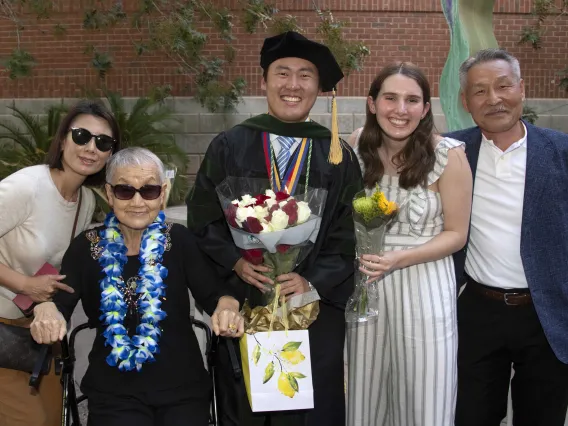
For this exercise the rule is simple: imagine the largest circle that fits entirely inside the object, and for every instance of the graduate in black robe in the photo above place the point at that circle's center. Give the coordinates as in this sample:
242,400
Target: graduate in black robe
295,71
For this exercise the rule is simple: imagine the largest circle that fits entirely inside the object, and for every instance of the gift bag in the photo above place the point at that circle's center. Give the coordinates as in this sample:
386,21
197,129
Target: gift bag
277,370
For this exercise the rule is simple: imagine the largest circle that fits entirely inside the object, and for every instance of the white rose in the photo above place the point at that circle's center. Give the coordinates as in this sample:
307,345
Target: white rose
243,213
304,212
266,227
235,202
260,212
270,193
279,220
246,200
270,202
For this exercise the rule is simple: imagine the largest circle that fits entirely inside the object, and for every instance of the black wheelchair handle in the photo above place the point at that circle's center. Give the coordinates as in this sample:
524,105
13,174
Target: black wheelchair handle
207,330
70,350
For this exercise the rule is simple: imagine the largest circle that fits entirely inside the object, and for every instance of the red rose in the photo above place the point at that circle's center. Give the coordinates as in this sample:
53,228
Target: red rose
293,202
253,225
281,196
253,256
260,199
231,214
291,209
282,248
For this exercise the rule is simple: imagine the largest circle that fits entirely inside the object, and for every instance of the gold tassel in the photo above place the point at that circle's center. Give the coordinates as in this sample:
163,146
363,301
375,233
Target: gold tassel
335,150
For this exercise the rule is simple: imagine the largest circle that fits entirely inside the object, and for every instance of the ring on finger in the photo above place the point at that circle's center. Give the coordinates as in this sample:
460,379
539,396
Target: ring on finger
232,328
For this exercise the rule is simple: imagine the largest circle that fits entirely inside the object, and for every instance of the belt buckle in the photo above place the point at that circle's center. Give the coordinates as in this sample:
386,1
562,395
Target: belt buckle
506,299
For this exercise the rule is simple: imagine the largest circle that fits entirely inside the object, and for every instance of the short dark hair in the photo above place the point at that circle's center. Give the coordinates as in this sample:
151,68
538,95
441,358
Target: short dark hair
84,107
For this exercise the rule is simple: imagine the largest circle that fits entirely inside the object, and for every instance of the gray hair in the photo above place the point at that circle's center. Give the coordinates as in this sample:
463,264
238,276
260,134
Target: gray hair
488,55
134,156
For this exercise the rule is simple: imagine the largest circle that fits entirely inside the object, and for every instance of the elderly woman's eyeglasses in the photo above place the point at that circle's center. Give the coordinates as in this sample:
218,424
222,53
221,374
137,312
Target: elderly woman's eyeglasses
127,192
82,136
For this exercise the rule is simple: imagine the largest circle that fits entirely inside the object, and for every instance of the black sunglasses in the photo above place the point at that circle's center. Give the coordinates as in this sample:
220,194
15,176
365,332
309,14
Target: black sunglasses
127,192
82,136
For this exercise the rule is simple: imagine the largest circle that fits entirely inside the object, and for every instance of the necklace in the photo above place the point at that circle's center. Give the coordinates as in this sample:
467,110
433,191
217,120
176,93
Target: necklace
143,293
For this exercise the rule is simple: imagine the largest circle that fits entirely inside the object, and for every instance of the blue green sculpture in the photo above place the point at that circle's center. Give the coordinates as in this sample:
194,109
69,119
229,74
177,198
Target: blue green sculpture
471,29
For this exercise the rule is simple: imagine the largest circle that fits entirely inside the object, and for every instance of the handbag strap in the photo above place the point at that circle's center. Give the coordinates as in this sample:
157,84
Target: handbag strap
41,366
77,213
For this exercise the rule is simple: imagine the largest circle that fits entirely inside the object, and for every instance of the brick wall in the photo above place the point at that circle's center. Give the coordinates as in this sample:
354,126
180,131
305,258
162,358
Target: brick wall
410,30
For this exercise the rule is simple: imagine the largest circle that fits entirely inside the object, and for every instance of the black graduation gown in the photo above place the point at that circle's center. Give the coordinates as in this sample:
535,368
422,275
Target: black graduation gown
329,267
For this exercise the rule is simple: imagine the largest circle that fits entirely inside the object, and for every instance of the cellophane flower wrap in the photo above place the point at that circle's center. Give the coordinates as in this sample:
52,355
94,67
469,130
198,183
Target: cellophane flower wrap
277,230
371,215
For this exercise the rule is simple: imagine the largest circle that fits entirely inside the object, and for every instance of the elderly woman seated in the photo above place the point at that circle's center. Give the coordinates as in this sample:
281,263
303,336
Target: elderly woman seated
132,276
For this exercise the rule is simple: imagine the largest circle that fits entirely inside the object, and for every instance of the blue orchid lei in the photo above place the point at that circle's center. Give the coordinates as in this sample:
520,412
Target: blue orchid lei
132,352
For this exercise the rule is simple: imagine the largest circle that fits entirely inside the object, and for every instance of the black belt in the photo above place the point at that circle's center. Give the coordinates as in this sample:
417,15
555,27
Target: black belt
511,297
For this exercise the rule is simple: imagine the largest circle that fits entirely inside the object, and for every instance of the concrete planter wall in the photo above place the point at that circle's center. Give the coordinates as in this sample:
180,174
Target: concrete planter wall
196,127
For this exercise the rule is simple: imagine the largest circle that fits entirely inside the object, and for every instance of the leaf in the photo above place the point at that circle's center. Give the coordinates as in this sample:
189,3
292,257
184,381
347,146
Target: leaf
256,354
297,375
291,346
268,372
293,382
20,63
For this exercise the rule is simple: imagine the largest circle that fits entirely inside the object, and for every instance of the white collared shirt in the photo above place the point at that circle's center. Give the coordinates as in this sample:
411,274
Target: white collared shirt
494,249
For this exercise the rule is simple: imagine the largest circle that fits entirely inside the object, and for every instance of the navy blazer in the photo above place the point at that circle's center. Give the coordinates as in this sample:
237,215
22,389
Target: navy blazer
544,228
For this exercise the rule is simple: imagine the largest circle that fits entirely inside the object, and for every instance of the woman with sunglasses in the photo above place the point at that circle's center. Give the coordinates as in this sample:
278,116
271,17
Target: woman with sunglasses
41,208
132,275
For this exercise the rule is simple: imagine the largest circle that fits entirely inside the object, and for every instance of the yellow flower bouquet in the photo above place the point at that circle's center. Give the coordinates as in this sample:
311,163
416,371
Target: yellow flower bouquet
371,215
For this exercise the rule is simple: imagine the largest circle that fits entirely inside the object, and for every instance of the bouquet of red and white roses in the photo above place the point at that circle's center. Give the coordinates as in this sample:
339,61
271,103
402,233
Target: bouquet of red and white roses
271,228
268,212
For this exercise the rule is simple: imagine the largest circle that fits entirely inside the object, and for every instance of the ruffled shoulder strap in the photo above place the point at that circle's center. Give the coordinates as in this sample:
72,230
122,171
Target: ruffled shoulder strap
356,150
441,152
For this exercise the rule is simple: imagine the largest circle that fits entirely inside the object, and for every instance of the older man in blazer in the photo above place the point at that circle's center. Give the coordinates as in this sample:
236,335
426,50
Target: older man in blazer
514,309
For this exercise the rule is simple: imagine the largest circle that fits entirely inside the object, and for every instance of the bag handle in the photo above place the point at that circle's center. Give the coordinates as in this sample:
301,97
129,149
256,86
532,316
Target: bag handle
41,366
77,214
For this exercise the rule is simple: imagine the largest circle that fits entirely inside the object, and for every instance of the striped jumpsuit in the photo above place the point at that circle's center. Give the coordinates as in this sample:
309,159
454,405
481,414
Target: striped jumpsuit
402,369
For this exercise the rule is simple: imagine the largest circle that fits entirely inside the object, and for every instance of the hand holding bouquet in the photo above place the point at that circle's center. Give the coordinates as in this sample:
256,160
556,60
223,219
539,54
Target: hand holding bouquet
271,228
269,213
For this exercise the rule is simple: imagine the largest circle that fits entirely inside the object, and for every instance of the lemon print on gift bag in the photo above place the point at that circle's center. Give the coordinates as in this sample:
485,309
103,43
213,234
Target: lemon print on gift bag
283,360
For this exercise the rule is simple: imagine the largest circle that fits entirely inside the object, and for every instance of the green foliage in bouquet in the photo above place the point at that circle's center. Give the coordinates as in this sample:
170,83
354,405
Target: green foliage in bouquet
375,206
281,262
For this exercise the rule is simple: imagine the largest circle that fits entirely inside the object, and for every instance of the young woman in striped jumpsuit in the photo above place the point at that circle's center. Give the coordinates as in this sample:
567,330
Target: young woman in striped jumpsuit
402,368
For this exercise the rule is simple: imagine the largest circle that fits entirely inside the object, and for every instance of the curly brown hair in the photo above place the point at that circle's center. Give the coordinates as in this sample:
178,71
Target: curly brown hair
417,158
